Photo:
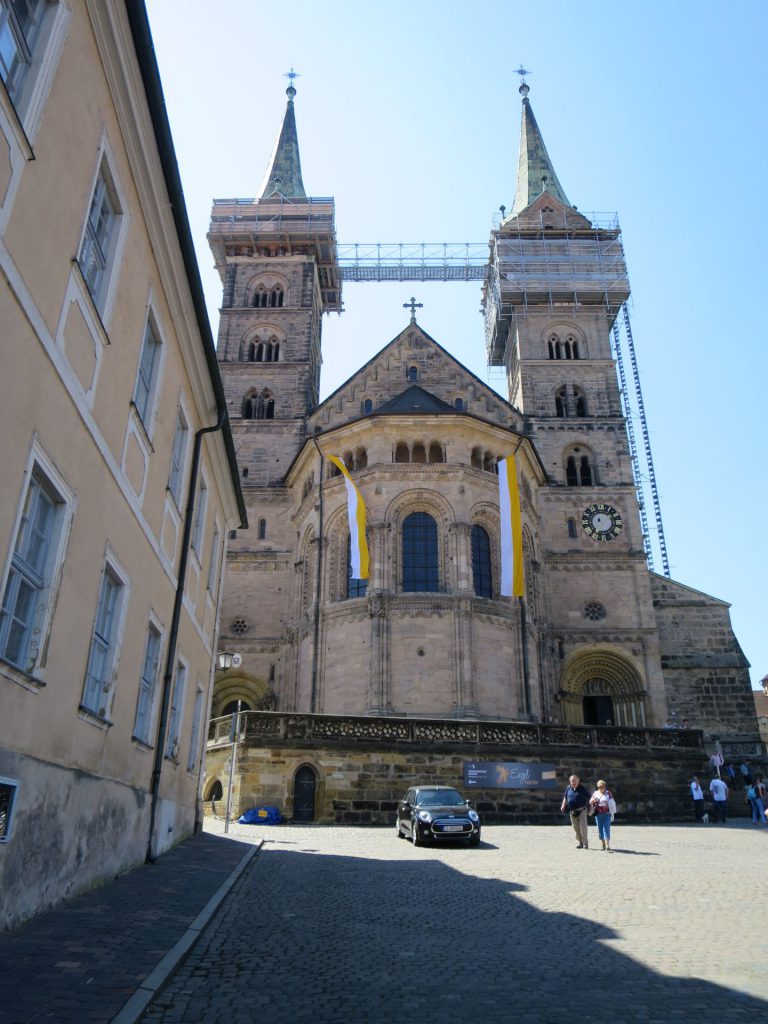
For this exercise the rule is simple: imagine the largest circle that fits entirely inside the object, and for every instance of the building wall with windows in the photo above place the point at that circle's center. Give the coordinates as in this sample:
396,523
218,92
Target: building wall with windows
107,381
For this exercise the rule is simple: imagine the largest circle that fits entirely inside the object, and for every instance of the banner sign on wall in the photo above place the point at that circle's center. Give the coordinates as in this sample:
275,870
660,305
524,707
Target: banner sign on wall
509,775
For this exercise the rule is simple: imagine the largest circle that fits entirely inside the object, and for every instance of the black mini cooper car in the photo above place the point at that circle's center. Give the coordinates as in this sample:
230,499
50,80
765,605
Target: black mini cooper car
436,813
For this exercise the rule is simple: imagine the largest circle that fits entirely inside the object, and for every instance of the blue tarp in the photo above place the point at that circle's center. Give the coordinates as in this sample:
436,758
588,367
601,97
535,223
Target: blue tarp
260,816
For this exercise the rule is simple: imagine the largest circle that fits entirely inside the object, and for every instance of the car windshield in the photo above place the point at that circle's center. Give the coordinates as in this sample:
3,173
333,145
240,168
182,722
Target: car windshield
439,798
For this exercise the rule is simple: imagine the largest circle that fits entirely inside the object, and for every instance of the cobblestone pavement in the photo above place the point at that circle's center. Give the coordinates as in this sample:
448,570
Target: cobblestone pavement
348,925
83,961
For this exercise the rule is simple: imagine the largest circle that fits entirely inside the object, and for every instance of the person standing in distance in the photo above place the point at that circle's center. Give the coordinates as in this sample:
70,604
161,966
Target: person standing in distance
698,798
719,792
575,801
603,804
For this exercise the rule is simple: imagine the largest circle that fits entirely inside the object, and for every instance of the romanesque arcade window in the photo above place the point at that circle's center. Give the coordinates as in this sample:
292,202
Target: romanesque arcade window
419,452
259,406
485,460
420,553
481,562
264,351
268,298
570,401
579,471
563,348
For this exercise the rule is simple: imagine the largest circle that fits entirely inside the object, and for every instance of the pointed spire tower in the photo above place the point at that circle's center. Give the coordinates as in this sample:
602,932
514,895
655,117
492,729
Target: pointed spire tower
283,176
276,255
535,173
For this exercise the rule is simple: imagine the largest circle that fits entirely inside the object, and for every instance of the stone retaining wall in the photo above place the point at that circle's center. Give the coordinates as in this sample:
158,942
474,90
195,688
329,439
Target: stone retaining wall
364,766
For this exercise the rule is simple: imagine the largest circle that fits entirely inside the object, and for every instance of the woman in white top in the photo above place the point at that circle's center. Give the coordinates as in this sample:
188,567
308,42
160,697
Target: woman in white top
601,803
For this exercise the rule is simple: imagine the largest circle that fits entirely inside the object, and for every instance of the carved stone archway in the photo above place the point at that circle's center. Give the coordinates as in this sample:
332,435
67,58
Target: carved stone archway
602,688
229,687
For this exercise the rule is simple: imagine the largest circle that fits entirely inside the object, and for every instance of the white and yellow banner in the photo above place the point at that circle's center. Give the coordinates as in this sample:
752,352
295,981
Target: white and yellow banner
358,545
512,576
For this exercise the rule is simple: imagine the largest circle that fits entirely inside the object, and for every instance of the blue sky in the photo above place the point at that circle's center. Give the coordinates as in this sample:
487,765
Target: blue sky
409,115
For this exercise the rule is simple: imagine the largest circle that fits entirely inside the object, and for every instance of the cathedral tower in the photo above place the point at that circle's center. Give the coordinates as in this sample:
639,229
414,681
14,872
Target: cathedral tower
556,283
276,256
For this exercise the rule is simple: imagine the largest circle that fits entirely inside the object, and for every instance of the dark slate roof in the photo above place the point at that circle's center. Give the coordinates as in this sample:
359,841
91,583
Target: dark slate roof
415,399
284,172
534,164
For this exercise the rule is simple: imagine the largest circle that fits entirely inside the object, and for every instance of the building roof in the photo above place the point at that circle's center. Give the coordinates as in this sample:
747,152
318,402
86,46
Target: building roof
535,173
415,400
283,175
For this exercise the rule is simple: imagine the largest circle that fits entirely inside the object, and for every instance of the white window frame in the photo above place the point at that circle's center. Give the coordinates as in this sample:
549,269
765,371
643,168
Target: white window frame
103,252
106,639
197,722
178,455
145,400
40,469
176,711
40,52
201,511
213,565
148,684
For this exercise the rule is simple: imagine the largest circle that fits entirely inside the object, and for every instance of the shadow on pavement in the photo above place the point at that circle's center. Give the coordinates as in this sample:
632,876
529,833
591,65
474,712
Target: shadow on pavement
344,939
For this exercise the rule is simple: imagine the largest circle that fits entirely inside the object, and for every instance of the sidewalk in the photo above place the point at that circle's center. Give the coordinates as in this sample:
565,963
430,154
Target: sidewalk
86,960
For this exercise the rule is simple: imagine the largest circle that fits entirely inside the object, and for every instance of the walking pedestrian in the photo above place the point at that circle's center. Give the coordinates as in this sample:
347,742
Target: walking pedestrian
717,762
575,801
756,804
761,797
746,772
719,792
698,798
604,806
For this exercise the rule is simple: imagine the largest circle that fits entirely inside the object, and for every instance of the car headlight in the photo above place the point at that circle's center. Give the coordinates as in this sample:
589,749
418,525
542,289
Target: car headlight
425,816
473,816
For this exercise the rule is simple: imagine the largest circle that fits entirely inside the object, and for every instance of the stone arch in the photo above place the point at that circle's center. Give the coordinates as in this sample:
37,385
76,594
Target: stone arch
307,566
235,685
263,344
213,789
602,675
336,533
262,284
566,334
439,508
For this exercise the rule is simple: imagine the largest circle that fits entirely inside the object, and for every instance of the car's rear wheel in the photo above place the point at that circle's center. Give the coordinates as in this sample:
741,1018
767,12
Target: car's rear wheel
415,837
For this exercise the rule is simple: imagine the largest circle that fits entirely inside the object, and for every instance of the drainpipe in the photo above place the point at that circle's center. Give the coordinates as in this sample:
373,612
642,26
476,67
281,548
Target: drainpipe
170,658
315,652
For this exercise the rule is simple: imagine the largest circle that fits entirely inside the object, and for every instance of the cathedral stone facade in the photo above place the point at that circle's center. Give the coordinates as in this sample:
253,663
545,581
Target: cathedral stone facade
598,638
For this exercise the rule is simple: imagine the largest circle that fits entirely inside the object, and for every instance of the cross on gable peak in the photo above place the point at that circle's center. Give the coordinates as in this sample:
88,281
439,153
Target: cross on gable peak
413,305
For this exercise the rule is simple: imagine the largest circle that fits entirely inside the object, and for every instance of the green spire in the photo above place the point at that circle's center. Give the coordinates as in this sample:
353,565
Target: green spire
535,173
284,171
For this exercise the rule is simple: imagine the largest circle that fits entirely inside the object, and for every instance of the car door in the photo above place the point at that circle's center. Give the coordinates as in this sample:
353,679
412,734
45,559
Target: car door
404,811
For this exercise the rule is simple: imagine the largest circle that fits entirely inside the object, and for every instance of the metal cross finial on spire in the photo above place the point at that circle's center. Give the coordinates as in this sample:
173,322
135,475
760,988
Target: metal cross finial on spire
522,72
413,305
291,75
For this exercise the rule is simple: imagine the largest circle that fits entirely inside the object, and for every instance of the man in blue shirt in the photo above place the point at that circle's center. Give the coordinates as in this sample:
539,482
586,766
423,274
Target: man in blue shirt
575,801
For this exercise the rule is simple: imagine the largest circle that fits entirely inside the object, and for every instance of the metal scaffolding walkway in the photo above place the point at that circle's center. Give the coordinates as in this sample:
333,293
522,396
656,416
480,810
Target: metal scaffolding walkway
471,261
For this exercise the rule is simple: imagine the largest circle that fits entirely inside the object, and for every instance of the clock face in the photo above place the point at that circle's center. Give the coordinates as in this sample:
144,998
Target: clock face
601,522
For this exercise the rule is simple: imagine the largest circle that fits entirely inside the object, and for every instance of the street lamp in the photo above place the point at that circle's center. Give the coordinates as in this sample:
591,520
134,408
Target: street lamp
224,659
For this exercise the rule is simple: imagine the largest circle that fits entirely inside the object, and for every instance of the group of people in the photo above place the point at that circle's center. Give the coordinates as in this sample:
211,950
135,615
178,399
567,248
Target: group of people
755,791
580,806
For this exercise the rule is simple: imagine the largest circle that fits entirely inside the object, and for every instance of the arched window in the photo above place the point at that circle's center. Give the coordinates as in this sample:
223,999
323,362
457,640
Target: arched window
420,570
579,471
458,404
249,407
251,353
477,458
571,473
262,529
361,458
585,472
401,452
551,346
259,407
349,461
572,529
419,454
435,452
276,296
481,562
581,402
367,407
355,588
412,373
231,709
260,297
574,346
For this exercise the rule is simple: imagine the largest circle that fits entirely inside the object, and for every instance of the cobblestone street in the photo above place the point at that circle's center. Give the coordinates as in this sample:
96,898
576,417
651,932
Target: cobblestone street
347,925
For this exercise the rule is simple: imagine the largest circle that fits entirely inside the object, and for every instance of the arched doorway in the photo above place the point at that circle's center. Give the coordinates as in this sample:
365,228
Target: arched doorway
602,688
304,785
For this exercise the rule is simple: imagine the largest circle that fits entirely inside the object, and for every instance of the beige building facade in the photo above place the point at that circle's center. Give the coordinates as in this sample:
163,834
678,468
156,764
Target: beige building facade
598,639
119,480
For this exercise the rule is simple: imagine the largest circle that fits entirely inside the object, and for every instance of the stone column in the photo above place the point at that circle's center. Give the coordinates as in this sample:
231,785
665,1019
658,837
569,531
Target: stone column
466,702
462,552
